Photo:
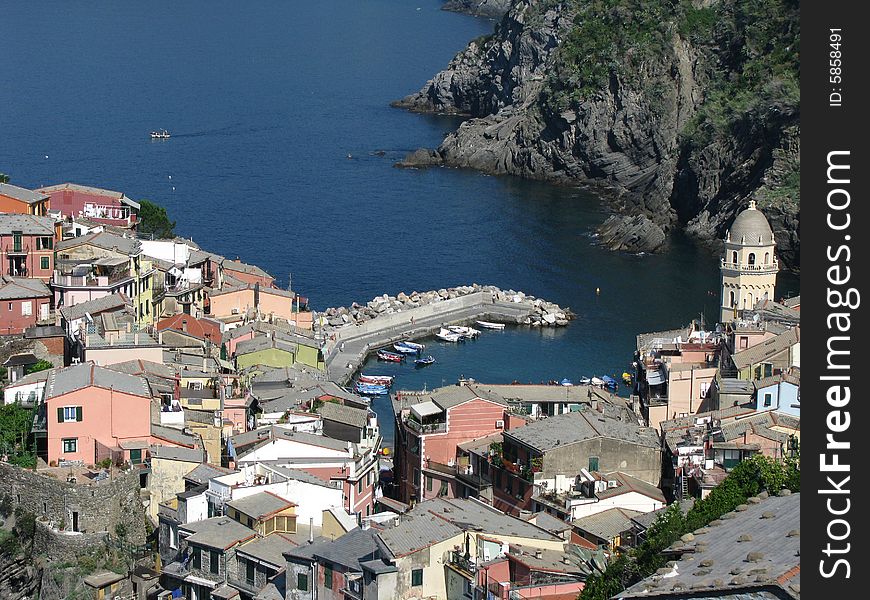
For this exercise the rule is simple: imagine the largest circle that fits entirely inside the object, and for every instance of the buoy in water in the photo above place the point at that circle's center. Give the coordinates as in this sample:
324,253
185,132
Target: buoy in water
598,291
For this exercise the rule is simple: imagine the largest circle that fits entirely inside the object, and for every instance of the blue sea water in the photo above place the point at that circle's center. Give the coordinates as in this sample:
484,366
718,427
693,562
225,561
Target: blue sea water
282,153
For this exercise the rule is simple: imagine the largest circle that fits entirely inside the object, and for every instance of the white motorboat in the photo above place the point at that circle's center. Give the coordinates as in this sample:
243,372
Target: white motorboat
468,332
448,336
490,325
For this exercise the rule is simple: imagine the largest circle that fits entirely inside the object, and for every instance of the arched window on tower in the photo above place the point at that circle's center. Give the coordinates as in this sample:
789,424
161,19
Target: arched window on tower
734,257
751,304
751,259
732,300
767,258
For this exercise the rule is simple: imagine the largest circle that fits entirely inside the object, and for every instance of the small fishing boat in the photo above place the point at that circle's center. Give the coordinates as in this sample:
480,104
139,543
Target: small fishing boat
404,349
386,380
425,361
626,378
609,382
566,382
489,325
414,345
390,356
584,381
597,381
368,389
448,336
160,134
466,332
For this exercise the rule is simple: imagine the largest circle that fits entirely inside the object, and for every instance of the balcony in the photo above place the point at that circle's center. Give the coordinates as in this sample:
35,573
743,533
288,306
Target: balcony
16,248
18,271
426,427
462,562
771,267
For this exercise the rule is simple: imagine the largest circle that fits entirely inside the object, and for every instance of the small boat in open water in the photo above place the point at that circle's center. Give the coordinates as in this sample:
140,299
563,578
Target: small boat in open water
390,356
160,134
425,361
490,325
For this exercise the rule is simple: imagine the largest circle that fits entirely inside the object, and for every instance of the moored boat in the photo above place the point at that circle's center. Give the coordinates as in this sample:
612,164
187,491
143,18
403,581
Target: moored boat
386,380
390,356
414,345
490,325
566,382
448,336
609,382
160,134
466,332
425,361
584,381
404,349
369,389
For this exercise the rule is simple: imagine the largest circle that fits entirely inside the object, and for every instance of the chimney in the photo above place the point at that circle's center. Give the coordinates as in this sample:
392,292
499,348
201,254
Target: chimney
539,554
184,325
310,530
566,560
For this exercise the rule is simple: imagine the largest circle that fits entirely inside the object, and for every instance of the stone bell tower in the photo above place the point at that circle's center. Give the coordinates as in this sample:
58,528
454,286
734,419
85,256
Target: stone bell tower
749,265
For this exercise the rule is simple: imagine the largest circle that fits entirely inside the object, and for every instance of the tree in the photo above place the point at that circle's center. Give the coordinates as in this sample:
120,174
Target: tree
4,178
154,221
40,365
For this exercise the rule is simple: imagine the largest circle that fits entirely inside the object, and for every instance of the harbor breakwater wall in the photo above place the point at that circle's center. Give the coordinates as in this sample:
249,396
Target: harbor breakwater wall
385,310
350,333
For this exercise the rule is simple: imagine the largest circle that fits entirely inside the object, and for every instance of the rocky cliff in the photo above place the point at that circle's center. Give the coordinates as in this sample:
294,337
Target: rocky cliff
678,110
479,8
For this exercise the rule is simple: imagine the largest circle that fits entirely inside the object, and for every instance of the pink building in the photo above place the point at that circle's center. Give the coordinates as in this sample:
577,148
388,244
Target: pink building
92,413
27,244
23,302
232,302
102,206
431,427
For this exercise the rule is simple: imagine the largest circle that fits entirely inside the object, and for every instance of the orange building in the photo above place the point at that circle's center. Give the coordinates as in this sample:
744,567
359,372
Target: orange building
14,199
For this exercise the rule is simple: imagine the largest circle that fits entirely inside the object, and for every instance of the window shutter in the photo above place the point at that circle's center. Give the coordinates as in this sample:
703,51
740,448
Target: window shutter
60,414
78,413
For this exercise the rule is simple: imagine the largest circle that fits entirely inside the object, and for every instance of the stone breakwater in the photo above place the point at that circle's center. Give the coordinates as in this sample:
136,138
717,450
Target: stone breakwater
541,312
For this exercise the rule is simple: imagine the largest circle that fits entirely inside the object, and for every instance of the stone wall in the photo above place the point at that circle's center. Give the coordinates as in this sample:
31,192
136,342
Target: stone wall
100,505
52,545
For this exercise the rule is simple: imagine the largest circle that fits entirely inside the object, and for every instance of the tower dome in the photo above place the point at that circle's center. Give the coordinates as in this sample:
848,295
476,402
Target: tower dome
750,227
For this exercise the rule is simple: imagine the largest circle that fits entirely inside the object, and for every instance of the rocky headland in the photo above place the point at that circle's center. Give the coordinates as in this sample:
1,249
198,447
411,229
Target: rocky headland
678,112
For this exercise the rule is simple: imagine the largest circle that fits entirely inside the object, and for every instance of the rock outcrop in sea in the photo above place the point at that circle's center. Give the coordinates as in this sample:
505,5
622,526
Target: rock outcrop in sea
679,112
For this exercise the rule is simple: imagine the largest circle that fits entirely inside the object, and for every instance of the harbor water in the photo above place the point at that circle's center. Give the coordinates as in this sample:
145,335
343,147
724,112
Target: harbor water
282,153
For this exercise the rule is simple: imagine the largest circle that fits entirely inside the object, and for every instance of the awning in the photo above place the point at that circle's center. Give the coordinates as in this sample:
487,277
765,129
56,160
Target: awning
655,376
426,409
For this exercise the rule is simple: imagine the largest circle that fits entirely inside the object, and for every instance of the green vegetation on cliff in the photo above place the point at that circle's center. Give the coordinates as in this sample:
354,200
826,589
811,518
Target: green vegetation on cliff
751,48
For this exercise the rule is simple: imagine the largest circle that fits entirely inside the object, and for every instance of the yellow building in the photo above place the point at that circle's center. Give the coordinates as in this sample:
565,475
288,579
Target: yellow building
749,264
264,512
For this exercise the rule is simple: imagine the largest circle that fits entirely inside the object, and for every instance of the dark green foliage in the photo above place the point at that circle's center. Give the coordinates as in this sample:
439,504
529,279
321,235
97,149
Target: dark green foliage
4,178
15,441
40,365
154,221
749,478
758,44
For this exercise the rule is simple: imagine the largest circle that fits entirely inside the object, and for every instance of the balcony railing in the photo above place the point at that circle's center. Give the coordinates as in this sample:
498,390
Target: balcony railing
460,561
770,267
426,427
21,271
